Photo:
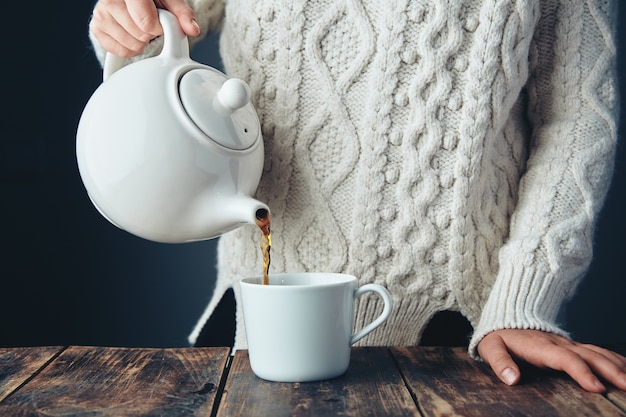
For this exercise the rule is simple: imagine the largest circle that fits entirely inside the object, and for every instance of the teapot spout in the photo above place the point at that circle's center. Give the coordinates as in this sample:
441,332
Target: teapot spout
235,211
249,210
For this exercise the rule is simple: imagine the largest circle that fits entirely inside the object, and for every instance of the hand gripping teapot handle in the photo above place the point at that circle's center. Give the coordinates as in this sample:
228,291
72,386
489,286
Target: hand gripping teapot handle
175,44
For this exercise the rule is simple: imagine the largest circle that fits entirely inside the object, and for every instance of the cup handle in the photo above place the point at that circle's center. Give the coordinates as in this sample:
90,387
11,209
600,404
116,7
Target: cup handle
382,293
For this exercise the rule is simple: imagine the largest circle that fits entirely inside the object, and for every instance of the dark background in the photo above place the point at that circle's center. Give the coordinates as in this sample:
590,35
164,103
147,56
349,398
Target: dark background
67,276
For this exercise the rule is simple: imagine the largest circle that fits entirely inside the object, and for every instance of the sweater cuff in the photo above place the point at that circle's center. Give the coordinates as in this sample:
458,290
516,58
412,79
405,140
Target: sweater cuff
523,297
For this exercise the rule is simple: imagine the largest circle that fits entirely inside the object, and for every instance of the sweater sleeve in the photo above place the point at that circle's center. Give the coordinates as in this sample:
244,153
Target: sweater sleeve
210,14
573,113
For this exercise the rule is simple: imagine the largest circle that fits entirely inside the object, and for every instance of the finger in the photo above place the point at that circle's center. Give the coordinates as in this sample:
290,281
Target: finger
116,40
116,30
114,37
144,15
134,27
615,357
493,350
567,360
605,363
184,14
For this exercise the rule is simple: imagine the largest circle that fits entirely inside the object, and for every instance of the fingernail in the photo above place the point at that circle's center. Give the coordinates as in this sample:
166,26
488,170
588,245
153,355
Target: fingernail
509,376
599,385
195,23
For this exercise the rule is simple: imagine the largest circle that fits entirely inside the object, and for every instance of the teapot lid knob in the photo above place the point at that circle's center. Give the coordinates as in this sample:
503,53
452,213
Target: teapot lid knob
234,94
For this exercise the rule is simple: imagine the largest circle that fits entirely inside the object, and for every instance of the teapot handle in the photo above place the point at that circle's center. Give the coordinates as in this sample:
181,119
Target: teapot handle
175,44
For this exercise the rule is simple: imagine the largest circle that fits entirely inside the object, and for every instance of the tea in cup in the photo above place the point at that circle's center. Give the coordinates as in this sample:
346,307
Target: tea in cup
299,327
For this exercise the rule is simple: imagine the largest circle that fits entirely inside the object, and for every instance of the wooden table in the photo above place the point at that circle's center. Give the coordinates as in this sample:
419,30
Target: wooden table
417,381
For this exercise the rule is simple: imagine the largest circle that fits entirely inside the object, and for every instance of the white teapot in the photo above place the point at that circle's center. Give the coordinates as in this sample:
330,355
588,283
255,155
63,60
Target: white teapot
169,149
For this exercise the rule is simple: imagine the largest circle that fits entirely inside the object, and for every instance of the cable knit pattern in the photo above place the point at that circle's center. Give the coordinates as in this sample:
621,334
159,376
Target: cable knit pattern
455,151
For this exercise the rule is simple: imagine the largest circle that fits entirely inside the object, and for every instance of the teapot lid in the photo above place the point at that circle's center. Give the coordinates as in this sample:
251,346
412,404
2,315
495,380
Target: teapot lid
220,107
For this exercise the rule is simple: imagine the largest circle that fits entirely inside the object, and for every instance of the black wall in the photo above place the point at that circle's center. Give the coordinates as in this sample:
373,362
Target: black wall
69,277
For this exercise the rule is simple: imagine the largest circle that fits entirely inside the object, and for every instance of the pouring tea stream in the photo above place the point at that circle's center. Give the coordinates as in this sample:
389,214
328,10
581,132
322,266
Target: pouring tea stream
170,149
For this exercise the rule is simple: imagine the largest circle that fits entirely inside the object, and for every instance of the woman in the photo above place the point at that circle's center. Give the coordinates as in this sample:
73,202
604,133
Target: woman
456,152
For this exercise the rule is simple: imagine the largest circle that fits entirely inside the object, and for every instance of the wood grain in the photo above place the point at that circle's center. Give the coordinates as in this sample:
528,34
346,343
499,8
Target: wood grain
617,397
372,386
446,382
17,365
119,381
412,381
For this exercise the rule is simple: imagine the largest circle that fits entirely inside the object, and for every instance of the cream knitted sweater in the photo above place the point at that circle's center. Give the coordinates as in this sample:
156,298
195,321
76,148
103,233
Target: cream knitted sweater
455,151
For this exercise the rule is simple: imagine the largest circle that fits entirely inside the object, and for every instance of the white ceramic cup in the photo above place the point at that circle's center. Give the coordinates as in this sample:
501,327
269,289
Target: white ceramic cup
299,328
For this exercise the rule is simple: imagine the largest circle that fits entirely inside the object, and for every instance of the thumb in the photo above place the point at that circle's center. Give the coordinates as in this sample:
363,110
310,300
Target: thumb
492,349
184,14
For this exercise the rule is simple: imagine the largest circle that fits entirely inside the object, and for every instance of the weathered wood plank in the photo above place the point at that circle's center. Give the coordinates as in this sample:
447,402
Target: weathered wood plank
617,397
372,386
19,364
447,382
119,381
